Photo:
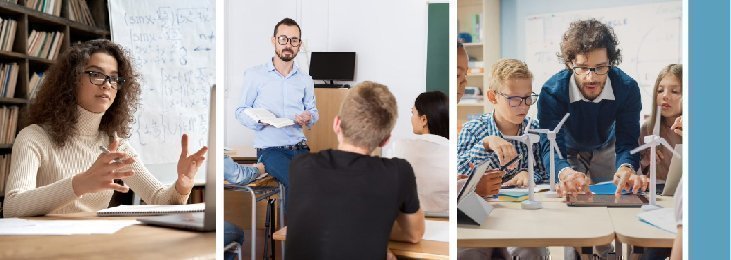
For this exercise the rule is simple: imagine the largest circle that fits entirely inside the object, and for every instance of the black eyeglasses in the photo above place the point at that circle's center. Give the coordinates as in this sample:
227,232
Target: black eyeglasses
515,101
283,40
98,78
599,70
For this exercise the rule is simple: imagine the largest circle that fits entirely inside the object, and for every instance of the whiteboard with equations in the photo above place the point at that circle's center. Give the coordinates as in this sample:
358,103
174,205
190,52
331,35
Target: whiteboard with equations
173,44
649,38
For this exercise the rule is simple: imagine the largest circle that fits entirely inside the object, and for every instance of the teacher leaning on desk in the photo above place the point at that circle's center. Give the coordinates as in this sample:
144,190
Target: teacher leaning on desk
89,95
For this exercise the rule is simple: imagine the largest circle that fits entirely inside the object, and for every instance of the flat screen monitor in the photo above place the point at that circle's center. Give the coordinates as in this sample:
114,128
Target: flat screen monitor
332,66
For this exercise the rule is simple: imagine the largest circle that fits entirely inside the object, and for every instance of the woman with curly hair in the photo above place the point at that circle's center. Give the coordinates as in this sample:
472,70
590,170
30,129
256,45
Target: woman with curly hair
88,98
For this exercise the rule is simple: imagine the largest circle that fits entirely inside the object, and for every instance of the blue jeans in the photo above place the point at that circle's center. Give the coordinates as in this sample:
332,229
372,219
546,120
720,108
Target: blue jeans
276,162
231,233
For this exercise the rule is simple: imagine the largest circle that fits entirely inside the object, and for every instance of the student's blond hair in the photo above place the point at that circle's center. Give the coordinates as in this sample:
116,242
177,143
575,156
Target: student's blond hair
367,115
506,69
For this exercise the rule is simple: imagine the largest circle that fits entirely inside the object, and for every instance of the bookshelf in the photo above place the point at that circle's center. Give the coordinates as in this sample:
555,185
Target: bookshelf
28,20
480,18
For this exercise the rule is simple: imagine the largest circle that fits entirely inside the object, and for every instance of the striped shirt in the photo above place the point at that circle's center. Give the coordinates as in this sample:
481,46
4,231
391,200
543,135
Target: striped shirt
471,151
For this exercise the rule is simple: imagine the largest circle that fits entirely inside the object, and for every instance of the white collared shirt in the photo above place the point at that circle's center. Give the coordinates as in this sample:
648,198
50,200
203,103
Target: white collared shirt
428,155
575,93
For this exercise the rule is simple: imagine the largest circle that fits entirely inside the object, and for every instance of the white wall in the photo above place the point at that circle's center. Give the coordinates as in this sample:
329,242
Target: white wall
389,38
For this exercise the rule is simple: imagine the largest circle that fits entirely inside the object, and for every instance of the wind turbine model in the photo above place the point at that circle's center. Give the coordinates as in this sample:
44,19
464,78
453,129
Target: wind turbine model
529,139
652,141
551,135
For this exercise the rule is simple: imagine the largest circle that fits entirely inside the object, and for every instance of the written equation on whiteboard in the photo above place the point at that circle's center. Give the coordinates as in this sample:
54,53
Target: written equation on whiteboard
173,48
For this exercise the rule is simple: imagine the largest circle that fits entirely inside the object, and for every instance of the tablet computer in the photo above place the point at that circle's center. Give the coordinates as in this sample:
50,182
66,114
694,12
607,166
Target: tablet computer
606,200
472,181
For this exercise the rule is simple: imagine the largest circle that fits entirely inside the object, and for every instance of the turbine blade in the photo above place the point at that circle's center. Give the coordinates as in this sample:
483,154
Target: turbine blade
640,148
560,123
555,147
667,145
539,131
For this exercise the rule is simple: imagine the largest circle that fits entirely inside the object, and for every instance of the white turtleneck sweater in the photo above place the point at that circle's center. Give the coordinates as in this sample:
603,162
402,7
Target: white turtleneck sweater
40,176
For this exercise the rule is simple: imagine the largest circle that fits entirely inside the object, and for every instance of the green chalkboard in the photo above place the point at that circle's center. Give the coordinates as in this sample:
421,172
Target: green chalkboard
437,48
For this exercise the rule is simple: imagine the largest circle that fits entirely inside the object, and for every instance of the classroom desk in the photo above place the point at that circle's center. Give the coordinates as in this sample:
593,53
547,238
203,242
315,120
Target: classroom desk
631,231
133,242
246,156
555,225
426,249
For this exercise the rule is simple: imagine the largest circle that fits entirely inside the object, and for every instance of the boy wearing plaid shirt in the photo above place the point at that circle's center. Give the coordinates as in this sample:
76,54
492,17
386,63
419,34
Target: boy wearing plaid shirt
481,140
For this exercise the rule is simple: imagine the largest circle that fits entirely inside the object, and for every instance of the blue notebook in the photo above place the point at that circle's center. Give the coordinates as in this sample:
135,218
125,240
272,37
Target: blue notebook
605,188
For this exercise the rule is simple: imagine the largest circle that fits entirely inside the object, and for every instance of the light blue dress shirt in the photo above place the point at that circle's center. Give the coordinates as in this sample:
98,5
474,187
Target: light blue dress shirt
285,96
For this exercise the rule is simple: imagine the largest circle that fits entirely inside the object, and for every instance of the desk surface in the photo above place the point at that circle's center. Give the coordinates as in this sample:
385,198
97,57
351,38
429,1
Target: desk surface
247,155
631,230
554,225
426,249
133,242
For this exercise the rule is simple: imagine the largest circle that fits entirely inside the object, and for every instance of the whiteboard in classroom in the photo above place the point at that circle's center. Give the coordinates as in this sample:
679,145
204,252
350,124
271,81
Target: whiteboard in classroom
650,37
172,43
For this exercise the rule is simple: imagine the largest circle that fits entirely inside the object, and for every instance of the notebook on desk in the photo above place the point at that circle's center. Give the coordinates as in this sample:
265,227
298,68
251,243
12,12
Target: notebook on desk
149,210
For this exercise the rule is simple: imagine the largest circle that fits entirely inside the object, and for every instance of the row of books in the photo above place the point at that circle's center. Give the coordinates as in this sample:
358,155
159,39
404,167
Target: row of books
8,123
7,33
8,79
79,11
44,44
4,171
45,6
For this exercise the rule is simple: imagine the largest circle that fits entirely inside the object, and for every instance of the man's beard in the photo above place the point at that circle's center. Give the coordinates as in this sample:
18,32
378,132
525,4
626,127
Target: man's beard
281,56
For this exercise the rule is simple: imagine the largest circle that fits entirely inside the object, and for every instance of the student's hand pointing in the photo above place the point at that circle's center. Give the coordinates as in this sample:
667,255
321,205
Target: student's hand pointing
187,166
504,150
101,175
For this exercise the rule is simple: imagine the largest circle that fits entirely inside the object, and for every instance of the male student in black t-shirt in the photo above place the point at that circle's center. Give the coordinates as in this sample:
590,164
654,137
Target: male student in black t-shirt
346,204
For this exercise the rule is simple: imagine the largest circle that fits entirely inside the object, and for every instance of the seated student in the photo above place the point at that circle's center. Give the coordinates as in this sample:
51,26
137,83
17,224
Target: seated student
668,95
481,140
238,174
89,96
430,123
346,204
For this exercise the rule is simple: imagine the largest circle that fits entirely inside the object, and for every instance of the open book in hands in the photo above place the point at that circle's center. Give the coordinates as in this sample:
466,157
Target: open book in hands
264,116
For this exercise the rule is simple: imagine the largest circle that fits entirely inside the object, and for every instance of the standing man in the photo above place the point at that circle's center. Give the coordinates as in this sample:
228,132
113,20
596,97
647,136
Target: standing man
605,105
282,88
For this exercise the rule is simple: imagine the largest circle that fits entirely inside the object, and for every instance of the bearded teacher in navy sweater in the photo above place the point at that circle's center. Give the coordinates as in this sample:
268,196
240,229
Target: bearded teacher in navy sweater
605,105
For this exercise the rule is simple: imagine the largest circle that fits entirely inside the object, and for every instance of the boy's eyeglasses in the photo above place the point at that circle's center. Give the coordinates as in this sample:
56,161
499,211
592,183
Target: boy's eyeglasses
515,101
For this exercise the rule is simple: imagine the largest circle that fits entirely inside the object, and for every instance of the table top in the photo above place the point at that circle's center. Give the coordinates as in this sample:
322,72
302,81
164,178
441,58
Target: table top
426,249
242,153
133,242
556,224
631,230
